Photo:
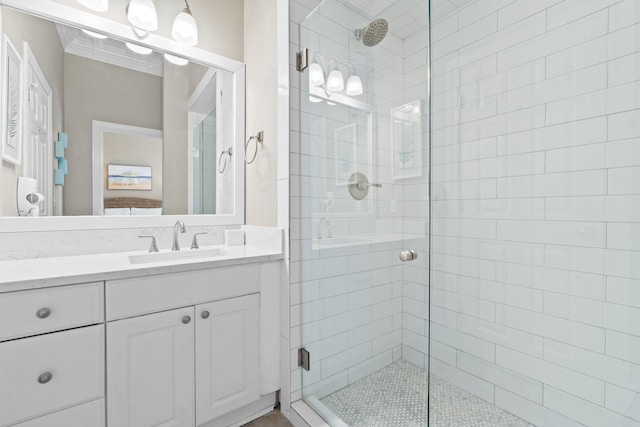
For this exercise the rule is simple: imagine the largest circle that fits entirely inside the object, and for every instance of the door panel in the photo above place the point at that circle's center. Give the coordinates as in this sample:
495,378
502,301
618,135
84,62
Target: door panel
150,370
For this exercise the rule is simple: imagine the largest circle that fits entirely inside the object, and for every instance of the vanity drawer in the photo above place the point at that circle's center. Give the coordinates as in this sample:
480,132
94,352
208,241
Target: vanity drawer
90,414
50,309
143,295
50,372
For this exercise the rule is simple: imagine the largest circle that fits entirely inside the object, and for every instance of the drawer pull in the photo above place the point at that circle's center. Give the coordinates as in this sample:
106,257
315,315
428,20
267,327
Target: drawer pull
205,314
43,313
186,319
45,378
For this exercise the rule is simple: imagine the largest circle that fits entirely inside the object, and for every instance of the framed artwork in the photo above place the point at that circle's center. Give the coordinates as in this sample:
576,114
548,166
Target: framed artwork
125,177
11,103
345,153
406,140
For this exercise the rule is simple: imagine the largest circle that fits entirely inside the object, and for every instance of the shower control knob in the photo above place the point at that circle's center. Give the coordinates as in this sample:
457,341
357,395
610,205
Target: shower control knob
408,255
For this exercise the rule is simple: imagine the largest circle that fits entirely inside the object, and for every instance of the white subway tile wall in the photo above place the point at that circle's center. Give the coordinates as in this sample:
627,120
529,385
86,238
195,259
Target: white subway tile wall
536,217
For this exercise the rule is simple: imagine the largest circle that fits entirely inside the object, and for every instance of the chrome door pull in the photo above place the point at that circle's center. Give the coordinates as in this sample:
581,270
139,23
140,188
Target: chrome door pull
43,313
408,255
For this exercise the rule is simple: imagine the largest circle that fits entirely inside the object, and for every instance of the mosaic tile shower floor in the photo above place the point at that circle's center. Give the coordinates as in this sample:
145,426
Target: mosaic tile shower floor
396,396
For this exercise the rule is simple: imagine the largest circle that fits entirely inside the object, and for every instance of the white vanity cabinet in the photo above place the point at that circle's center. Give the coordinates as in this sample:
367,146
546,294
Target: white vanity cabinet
184,348
150,367
54,377
227,356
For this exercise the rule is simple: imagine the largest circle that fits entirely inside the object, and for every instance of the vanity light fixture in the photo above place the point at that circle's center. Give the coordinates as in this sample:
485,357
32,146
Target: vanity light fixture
176,60
335,81
95,35
143,16
354,84
97,5
185,29
138,49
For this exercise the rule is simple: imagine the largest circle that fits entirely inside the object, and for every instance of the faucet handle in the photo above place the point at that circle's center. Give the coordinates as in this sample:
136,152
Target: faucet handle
194,242
154,245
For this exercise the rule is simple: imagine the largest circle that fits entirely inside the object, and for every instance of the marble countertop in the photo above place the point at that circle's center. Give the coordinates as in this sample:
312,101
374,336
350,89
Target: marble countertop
54,271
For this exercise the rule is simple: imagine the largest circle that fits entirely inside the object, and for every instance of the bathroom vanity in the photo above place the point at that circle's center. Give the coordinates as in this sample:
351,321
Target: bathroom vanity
98,340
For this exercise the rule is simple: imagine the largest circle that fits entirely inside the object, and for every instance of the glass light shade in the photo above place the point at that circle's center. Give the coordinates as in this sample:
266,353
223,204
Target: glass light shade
185,29
138,49
142,14
95,35
314,99
335,81
354,86
176,60
97,5
316,75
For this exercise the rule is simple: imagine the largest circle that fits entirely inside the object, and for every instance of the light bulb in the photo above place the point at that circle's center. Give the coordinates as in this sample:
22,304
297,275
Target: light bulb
185,29
335,81
314,99
142,14
316,75
95,35
138,49
97,5
354,86
176,60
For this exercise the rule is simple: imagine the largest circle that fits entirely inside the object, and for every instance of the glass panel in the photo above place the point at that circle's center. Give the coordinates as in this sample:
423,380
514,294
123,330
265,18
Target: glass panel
535,198
364,198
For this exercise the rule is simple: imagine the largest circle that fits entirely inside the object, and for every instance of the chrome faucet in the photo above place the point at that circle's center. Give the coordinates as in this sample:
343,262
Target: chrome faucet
324,220
177,228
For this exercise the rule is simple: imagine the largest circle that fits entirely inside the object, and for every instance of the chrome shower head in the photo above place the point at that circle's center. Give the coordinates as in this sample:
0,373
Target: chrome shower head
373,33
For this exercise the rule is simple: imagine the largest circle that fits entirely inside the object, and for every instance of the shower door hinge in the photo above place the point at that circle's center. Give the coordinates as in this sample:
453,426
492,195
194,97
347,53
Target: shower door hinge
303,358
302,60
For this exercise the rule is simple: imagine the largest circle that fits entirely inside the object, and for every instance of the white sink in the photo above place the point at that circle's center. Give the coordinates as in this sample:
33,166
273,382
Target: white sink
185,254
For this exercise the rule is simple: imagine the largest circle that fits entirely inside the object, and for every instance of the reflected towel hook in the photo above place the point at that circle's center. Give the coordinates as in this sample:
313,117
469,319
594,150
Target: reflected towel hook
226,155
258,138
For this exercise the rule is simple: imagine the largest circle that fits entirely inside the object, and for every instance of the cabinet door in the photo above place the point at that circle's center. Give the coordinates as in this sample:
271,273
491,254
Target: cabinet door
227,359
150,370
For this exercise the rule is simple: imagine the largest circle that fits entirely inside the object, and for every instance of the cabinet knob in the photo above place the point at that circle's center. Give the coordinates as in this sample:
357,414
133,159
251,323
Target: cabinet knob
43,313
45,378
205,314
186,319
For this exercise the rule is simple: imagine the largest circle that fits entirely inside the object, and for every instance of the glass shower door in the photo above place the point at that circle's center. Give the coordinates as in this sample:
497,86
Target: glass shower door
363,313
535,306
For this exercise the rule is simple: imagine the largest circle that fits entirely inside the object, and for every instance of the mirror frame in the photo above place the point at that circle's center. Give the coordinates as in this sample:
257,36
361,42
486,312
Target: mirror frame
53,11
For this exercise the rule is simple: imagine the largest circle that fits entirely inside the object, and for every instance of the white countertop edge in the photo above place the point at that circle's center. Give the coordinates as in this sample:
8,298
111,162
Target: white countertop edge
38,273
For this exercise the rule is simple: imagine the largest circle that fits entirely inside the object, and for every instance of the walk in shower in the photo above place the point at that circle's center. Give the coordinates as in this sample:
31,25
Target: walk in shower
466,240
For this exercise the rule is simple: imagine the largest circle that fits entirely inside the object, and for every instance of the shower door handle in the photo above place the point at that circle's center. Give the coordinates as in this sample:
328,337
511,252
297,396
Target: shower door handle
408,255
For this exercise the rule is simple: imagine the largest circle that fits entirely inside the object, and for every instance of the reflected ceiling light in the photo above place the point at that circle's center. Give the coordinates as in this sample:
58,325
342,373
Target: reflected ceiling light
335,81
97,5
95,35
354,85
185,29
314,99
142,15
138,49
176,60
331,103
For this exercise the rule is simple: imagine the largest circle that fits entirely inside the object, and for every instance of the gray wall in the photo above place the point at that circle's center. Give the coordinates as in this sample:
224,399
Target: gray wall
98,91
45,45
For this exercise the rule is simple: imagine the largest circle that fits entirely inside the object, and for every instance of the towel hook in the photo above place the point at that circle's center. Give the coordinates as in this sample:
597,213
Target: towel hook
258,138
223,166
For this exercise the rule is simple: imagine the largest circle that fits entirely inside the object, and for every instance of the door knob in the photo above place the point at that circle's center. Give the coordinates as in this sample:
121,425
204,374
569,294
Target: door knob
408,255
186,319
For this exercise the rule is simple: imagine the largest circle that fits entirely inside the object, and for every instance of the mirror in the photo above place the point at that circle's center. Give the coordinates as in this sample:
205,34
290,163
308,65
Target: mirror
115,128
